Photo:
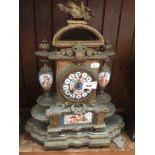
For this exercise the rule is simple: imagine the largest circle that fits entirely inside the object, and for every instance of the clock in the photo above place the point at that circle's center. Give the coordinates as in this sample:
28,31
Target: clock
77,113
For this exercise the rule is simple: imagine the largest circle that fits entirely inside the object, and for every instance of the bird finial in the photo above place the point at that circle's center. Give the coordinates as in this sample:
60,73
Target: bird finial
77,12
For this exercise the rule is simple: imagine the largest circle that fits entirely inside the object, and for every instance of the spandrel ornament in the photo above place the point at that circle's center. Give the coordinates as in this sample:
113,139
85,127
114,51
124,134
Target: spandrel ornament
78,113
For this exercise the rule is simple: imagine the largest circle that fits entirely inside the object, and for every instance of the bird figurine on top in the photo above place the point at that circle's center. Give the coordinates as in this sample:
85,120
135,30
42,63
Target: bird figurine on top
75,11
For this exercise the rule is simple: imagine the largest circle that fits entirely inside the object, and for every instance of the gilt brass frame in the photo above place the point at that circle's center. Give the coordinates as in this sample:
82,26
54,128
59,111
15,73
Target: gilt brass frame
64,44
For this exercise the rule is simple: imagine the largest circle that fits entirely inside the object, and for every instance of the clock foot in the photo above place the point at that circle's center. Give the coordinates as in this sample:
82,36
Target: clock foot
119,141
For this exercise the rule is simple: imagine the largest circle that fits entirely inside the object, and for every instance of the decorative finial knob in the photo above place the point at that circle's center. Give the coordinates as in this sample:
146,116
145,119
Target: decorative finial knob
44,45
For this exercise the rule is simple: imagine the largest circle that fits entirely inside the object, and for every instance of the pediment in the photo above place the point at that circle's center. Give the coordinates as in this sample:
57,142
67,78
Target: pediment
80,32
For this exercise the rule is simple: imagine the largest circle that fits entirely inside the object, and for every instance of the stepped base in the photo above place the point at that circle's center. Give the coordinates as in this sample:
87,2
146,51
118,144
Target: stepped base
101,138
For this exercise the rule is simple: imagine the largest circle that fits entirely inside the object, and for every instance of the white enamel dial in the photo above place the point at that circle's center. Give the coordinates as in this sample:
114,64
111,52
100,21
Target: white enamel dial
84,75
67,81
71,76
65,87
77,74
73,85
72,95
67,92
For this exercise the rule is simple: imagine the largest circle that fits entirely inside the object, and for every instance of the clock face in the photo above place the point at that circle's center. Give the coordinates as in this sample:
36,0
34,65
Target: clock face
73,85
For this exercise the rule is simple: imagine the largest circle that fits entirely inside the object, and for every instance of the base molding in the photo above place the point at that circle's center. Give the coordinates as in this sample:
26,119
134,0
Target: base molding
64,140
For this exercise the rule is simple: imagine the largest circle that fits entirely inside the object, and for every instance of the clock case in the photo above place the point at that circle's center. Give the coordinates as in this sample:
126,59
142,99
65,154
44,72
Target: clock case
73,54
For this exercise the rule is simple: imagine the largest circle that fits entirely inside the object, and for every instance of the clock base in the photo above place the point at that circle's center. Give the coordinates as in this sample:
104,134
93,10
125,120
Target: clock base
63,140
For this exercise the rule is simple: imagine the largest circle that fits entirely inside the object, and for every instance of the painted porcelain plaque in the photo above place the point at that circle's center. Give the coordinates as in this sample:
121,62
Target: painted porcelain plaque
78,118
104,78
46,81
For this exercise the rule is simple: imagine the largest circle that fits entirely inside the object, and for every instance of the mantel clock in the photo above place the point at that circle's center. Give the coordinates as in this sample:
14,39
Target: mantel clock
79,112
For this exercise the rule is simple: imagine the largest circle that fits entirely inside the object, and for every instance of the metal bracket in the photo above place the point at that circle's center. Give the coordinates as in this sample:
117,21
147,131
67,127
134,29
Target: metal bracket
119,141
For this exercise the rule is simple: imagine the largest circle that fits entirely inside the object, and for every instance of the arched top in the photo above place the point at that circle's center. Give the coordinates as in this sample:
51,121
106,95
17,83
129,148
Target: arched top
77,32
